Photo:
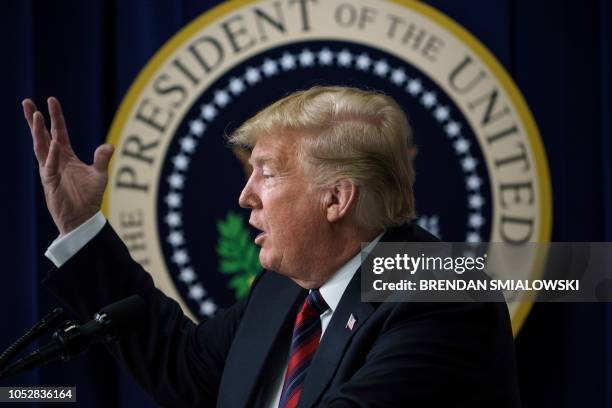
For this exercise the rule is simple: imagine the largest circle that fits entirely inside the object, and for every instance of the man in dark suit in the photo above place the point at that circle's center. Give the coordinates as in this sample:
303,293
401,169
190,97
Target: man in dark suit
331,169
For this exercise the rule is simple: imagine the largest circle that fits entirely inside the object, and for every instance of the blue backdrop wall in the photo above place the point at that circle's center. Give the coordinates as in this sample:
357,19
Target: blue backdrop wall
87,53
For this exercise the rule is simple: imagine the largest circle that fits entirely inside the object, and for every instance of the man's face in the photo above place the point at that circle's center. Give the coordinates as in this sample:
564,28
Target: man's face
284,206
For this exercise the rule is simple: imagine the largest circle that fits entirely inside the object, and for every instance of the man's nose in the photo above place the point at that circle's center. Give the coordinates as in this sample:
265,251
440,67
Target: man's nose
248,197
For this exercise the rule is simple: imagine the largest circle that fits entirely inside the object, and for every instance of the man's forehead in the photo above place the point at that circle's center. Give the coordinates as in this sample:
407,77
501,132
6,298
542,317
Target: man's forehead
273,149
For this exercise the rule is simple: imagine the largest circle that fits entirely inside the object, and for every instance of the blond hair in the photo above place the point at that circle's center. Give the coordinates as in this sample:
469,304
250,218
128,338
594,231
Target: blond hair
353,134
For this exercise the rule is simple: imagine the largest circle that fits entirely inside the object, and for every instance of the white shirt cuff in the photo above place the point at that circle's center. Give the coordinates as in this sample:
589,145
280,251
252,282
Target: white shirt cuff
64,248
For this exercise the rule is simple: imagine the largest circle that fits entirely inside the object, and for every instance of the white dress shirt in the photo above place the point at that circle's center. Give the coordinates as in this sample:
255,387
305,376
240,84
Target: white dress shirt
63,248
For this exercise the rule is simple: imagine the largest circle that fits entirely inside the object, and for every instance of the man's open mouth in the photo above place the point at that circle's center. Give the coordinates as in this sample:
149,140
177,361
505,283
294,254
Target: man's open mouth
260,237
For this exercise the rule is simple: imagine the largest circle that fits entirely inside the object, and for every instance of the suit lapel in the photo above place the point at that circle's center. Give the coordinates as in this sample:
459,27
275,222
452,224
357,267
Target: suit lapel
334,341
260,326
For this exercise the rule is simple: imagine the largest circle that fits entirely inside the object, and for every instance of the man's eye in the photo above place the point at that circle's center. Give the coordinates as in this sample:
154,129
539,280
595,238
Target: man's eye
267,176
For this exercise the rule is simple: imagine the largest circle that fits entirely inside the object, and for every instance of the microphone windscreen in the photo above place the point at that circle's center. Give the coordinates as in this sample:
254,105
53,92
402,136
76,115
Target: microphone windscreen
125,314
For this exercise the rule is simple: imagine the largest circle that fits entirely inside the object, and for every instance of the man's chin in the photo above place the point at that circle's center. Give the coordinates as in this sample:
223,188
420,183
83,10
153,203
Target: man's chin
269,263
265,261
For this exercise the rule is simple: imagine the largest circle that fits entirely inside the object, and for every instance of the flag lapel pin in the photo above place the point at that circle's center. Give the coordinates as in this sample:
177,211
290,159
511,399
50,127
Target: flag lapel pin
351,322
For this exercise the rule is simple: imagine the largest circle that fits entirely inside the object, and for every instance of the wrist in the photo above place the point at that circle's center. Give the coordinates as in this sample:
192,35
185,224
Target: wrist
66,227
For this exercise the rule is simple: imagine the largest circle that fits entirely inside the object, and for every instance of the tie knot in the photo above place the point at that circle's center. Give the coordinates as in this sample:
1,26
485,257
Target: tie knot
315,304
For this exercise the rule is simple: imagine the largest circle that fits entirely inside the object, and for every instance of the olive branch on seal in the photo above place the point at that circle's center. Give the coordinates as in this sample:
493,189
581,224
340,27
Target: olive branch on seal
238,255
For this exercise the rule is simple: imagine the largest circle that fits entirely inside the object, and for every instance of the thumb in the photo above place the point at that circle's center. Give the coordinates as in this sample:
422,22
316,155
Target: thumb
102,157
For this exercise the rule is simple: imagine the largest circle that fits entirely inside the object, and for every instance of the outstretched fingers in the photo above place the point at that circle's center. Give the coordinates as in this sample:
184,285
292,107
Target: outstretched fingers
40,138
59,131
53,158
29,108
102,157
28,111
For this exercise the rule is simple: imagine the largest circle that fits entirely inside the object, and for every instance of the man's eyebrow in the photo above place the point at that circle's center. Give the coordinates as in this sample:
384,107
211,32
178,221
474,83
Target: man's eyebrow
261,160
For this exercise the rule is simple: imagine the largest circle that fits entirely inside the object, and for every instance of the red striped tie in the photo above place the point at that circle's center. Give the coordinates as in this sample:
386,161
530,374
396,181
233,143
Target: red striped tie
304,343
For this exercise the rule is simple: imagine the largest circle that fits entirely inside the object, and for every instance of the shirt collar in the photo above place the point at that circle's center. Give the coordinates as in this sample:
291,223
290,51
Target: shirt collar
334,288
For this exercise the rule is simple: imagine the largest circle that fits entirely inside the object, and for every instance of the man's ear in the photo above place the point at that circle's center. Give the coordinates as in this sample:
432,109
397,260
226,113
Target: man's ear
339,198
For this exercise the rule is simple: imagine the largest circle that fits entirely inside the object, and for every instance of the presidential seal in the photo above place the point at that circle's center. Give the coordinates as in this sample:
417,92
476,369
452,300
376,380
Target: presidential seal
174,184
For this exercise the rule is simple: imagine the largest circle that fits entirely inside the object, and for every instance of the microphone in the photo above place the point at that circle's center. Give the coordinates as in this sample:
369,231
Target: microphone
49,322
72,340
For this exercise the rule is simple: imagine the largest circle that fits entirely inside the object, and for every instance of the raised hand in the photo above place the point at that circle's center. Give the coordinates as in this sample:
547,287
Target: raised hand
73,189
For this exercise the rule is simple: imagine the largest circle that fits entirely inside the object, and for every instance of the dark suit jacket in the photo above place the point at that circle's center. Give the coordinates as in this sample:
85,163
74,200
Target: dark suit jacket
397,355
